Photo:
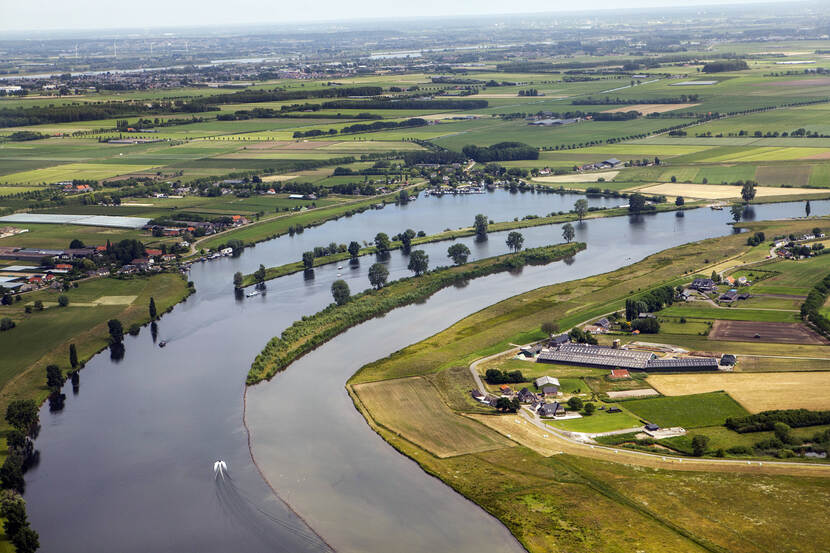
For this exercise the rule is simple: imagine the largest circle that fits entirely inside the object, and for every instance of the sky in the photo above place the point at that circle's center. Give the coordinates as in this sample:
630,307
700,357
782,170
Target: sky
22,15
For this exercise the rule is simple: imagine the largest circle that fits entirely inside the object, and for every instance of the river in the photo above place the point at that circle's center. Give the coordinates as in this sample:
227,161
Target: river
128,464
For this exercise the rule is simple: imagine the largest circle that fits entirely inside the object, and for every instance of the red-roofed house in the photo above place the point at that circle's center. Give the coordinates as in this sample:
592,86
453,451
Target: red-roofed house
63,267
620,373
153,252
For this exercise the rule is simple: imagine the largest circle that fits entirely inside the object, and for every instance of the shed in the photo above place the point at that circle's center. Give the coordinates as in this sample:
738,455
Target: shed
651,427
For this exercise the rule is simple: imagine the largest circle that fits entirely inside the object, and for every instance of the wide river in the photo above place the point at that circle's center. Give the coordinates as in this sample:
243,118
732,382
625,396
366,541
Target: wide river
128,464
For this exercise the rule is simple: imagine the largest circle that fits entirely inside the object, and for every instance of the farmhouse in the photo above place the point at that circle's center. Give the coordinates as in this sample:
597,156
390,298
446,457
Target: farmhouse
526,396
703,284
610,163
729,297
551,409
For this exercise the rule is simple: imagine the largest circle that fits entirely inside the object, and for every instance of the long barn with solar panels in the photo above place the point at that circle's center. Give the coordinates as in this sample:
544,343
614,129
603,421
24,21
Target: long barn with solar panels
586,355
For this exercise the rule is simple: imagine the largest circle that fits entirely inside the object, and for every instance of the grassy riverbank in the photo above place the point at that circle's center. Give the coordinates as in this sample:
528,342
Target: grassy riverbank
310,332
551,496
297,266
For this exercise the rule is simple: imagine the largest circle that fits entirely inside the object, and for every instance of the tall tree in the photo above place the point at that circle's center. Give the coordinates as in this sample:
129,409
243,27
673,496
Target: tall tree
73,356
378,273
807,208
458,253
736,211
418,262
515,241
748,191
153,312
22,414
354,249
54,377
568,232
259,274
238,279
340,291
382,242
116,331
308,260
636,203
581,208
406,240
480,225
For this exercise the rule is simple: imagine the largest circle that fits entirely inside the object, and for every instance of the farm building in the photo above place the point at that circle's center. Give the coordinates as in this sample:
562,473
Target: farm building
526,396
548,385
596,356
730,296
610,163
728,359
620,373
531,351
610,358
559,340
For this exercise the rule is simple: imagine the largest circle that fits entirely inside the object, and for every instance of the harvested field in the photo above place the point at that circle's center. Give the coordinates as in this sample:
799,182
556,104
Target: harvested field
645,109
717,191
440,116
278,178
412,408
518,429
623,394
756,392
289,145
778,333
585,177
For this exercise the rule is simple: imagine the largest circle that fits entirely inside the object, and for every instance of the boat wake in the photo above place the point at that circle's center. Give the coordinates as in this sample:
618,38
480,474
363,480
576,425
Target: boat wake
257,521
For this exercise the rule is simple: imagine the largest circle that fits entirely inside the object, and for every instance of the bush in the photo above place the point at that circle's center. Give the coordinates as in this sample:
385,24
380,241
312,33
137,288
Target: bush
495,376
646,326
765,420
699,445
575,403
63,300
135,328
6,323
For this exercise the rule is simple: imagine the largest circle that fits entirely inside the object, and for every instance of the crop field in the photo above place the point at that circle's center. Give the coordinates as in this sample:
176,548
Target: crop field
719,191
69,171
779,333
756,392
585,177
689,411
692,311
795,277
411,408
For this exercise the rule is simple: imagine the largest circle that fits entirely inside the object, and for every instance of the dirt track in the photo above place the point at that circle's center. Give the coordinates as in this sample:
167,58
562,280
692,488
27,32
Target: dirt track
778,333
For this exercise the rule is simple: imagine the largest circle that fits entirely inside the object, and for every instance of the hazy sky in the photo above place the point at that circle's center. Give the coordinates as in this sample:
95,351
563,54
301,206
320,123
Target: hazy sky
17,15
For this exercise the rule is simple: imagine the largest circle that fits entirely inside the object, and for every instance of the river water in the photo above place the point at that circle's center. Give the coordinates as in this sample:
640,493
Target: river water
128,464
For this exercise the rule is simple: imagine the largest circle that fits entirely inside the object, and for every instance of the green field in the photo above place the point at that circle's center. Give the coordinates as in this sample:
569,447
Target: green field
687,411
692,311
601,421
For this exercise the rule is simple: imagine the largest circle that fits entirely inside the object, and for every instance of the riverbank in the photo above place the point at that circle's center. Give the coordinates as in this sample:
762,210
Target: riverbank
43,337
546,492
312,331
297,266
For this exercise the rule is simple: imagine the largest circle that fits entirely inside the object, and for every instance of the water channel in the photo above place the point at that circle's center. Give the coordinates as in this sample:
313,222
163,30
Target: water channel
128,464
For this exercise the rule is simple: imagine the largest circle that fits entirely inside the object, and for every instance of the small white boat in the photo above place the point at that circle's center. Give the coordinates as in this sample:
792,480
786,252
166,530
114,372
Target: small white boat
340,266
252,294
338,274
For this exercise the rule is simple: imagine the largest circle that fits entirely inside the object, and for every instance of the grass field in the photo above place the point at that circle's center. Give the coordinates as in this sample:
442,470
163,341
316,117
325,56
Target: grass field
688,411
716,191
601,421
412,408
692,311
755,392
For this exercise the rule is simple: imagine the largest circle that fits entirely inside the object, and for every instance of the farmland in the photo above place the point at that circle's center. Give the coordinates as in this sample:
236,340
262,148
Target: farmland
755,392
687,411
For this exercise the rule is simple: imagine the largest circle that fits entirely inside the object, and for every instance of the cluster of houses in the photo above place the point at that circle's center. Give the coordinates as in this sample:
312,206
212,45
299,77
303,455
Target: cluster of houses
199,228
547,387
709,288
33,275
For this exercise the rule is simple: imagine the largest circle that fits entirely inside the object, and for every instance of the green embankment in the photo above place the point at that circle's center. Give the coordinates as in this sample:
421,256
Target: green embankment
310,332
297,266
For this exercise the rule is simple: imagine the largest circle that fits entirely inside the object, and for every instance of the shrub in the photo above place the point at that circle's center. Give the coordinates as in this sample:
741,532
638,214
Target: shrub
6,323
